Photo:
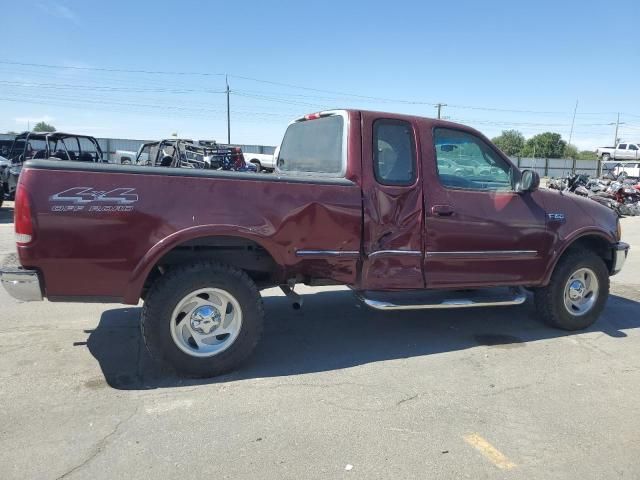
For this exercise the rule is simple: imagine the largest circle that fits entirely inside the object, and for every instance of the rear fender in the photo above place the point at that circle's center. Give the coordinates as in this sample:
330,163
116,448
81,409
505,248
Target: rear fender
146,264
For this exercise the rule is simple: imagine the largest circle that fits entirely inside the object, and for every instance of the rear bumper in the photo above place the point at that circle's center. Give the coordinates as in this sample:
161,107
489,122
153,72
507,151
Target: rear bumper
620,252
20,283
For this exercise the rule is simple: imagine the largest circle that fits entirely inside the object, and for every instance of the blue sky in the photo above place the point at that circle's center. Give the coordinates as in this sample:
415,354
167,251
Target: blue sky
497,65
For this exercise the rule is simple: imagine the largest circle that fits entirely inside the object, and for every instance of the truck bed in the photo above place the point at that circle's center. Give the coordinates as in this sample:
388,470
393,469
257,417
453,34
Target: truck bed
112,223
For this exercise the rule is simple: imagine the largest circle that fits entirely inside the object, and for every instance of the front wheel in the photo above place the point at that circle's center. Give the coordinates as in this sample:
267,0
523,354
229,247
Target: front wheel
203,319
577,292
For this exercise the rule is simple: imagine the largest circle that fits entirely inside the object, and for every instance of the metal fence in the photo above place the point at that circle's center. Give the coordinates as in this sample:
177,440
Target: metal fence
110,145
558,167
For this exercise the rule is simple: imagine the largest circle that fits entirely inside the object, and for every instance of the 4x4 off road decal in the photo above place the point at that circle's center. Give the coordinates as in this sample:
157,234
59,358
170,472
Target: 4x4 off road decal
88,199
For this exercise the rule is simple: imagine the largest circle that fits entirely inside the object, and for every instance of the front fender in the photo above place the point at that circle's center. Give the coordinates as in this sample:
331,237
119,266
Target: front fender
562,246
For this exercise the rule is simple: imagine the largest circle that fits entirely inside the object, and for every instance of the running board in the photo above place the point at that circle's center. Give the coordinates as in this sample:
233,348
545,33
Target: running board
435,299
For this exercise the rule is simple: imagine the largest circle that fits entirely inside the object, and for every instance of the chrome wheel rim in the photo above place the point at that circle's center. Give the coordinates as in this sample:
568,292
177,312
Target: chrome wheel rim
581,292
206,322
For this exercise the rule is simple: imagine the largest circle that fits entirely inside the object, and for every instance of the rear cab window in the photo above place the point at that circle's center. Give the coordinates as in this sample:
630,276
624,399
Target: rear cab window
315,145
394,154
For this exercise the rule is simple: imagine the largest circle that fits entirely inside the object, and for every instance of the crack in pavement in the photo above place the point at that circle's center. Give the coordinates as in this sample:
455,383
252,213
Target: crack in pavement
408,399
98,448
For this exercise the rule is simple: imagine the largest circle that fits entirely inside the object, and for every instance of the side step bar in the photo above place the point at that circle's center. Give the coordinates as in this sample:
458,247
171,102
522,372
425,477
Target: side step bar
432,299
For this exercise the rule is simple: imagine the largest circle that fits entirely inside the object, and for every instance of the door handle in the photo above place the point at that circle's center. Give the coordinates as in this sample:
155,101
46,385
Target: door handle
442,210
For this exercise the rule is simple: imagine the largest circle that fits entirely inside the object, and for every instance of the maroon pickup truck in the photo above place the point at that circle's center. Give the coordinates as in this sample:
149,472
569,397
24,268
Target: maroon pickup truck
409,212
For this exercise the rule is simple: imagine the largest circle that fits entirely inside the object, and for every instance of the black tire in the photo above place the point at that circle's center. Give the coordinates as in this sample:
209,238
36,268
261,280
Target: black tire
605,157
171,288
549,300
258,166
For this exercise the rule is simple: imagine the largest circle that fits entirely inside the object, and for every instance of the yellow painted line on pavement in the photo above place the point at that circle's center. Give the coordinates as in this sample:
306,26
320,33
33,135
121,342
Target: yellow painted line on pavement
492,454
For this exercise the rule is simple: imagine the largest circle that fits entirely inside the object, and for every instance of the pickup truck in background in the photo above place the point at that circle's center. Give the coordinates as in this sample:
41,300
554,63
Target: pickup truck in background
124,157
624,151
359,199
262,161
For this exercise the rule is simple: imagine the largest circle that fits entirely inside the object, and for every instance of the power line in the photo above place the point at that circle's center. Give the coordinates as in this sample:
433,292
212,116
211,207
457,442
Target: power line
270,82
68,101
119,70
300,87
63,86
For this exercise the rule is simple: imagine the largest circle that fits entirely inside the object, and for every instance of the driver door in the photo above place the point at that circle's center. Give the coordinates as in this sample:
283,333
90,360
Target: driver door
479,231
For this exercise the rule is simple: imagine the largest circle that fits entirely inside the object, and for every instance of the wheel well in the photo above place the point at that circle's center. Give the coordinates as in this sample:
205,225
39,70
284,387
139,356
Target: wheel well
235,251
596,244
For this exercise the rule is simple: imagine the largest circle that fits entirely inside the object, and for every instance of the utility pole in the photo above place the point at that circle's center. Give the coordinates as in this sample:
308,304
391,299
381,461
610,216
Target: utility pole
615,138
439,107
617,124
573,121
226,78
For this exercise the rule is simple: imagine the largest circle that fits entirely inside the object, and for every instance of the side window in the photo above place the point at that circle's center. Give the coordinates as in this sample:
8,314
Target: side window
622,146
466,161
633,147
394,156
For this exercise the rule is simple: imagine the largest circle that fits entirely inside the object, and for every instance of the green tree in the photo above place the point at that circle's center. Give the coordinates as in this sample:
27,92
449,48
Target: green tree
587,155
545,145
510,142
570,151
43,127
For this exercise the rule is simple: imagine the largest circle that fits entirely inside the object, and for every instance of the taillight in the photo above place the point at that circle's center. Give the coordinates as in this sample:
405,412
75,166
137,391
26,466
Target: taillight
22,217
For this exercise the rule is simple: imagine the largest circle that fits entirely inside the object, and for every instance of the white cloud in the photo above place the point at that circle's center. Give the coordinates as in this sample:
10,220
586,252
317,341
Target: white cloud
59,10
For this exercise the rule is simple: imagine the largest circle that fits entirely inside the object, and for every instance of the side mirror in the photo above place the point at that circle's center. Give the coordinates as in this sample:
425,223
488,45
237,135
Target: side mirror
529,181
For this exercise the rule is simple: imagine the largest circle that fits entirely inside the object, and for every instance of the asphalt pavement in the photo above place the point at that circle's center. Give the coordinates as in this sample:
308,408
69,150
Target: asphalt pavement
333,391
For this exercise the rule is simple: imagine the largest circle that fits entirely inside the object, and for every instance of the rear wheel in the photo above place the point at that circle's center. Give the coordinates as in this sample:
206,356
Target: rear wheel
605,157
203,319
258,166
577,292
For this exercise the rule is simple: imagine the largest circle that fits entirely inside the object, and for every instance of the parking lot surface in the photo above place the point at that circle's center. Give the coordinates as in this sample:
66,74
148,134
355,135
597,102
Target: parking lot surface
333,391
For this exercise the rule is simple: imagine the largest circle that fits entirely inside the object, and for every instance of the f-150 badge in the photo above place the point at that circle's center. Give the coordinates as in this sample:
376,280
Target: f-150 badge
77,198
555,217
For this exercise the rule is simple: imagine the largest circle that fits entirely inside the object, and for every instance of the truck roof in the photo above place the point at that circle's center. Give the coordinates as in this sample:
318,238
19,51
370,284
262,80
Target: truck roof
434,122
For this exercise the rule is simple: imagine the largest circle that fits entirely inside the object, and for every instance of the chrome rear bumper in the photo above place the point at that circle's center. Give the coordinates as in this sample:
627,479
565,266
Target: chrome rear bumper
21,284
620,252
